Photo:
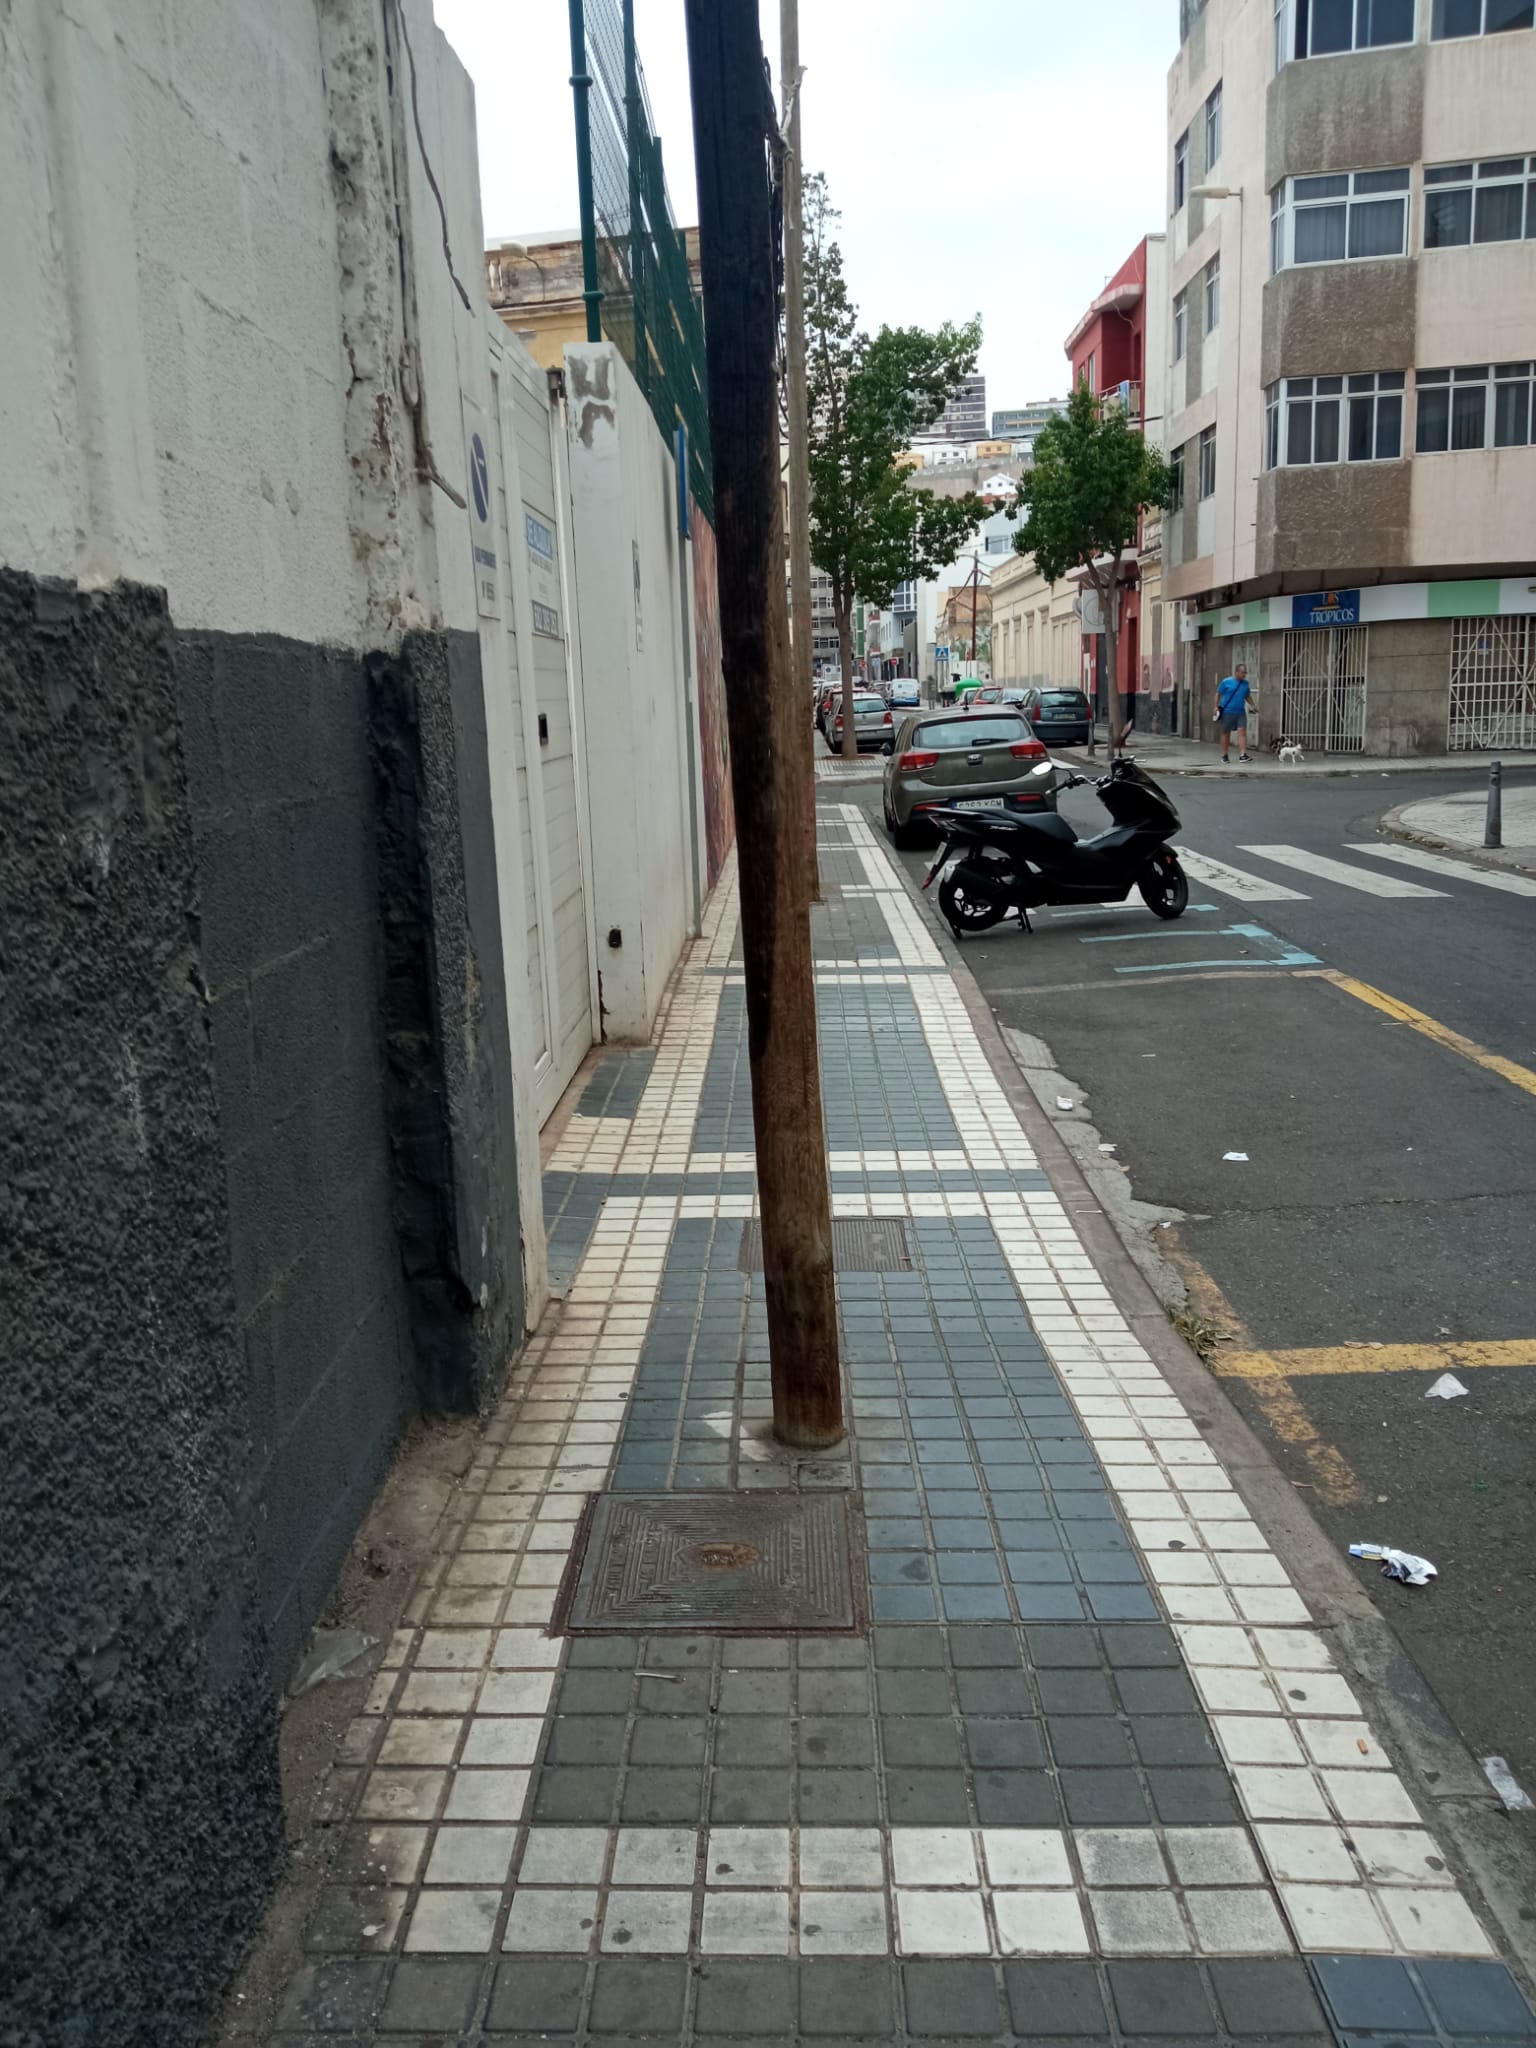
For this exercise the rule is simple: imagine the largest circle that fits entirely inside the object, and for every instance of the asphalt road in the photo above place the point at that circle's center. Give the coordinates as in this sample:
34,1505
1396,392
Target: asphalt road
1389,1193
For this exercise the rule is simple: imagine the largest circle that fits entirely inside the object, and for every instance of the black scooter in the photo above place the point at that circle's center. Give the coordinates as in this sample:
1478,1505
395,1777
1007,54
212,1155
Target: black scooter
999,862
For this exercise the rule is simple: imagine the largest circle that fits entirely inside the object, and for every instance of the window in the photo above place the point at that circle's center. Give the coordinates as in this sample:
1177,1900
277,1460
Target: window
1337,219
1484,406
1180,325
1213,127
1180,170
1326,27
1487,202
1308,420
1176,485
1213,295
1208,463
1087,374
1478,17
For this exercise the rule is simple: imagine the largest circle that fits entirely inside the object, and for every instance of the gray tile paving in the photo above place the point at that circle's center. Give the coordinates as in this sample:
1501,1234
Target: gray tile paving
1015,1675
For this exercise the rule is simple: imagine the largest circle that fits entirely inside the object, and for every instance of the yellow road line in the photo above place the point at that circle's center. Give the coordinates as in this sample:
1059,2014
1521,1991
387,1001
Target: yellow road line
1329,1474
1442,1034
1353,1358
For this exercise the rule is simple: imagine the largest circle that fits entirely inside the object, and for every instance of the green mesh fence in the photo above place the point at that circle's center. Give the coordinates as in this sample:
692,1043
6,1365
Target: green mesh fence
650,310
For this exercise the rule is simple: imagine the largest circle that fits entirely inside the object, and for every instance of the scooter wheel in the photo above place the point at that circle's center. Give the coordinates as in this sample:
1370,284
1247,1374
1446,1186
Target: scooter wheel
968,912
1164,886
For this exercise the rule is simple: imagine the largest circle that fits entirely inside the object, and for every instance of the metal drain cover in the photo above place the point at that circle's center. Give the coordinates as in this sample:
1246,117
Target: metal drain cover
727,1561
860,1244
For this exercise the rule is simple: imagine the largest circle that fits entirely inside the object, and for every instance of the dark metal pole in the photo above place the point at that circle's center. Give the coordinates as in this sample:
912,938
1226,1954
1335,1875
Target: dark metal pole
581,86
1493,829
732,110
634,133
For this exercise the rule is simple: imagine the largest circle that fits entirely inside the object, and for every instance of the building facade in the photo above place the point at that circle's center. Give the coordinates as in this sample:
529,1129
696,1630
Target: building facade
1023,422
965,416
1037,635
1120,348
1352,232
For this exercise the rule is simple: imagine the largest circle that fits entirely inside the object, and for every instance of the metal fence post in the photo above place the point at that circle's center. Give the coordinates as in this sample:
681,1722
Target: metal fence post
581,86
1493,829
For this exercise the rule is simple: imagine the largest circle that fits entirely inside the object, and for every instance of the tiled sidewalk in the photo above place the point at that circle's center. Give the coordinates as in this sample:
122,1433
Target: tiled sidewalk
1088,1771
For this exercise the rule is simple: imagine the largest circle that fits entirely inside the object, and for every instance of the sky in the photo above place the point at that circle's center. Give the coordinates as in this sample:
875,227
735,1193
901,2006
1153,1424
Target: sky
993,156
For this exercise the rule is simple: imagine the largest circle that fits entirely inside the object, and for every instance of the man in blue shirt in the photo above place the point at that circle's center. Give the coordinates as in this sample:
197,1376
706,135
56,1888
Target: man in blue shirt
1233,697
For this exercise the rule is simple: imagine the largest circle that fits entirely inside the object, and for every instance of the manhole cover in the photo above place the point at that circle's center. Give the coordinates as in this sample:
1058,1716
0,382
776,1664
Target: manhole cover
714,1561
860,1244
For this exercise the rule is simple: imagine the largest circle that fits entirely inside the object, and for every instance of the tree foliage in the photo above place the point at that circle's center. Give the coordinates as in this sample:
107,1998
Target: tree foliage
868,396
1094,474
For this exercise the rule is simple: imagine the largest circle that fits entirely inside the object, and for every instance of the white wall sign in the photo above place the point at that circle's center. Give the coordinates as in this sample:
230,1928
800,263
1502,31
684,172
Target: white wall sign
543,578
482,513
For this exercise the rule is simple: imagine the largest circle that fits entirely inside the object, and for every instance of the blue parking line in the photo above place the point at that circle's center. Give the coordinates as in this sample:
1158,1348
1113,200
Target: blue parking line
1283,956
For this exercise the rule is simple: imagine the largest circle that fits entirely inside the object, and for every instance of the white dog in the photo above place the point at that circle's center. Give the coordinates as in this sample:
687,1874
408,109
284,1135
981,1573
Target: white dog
1291,752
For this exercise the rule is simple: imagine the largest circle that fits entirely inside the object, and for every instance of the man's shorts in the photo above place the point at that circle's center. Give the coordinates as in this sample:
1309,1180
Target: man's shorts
1232,721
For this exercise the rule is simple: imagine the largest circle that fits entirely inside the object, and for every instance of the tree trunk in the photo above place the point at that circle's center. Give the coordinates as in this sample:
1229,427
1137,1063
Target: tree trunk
844,610
766,715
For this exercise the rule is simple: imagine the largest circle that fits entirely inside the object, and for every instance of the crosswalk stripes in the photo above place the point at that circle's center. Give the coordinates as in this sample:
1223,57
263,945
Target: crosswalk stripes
1349,877
1230,881
1460,870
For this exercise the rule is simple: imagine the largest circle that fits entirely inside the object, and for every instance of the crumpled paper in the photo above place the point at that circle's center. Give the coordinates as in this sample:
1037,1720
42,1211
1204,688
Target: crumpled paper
1397,1564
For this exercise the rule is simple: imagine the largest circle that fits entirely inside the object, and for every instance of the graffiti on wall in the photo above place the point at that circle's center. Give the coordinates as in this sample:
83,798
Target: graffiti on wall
714,741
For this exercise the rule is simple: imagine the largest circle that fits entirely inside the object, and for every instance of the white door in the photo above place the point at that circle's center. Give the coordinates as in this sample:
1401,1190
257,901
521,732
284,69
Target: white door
561,960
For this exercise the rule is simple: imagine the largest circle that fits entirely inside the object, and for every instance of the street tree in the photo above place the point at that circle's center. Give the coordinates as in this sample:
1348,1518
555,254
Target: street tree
1094,474
871,527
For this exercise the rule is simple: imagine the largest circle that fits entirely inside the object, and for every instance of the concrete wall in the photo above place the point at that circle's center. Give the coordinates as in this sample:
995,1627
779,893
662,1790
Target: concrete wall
623,482
137,1749
258,1147
1407,683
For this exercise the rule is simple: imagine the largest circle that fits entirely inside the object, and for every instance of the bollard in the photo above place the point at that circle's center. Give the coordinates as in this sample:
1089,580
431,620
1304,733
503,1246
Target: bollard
1493,829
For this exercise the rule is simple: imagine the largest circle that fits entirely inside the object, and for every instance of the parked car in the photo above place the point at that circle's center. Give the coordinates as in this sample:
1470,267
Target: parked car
874,726
1061,718
905,693
976,759
984,693
826,695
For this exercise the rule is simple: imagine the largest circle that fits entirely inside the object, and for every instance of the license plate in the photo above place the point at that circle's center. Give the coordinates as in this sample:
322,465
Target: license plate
978,803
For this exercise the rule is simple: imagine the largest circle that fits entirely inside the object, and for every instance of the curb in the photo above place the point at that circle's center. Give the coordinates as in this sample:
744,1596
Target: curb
1499,859
1446,1779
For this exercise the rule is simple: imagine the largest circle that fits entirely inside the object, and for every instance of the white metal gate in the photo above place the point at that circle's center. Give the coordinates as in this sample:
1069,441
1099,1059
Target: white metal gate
1322,689
1493,684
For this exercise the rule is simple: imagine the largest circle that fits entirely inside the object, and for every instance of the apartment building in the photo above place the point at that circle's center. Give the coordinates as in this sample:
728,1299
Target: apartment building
1119,347
965,416
1037,633
1352,248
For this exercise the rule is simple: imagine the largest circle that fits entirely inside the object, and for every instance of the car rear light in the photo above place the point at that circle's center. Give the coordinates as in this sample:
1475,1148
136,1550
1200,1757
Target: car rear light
1027,750
887,720
917,758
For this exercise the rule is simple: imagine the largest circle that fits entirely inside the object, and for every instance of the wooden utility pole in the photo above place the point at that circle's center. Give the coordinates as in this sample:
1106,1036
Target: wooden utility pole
794,391
766,713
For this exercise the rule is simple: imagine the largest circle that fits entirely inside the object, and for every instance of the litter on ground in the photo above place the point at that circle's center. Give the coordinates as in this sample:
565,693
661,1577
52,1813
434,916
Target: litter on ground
1446,1388
1397,1564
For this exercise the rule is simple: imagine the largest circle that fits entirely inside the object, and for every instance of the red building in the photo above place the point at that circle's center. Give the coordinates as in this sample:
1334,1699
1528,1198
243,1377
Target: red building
1120,345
